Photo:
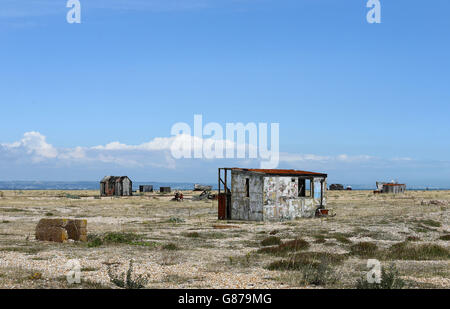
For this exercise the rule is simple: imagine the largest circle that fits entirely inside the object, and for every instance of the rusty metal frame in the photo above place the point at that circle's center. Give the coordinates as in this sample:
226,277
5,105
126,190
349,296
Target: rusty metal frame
223,182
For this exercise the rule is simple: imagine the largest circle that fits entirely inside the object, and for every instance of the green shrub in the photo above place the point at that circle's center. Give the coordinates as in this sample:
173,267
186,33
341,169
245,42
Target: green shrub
74,197
320,239
95,242
445,237
299,260
127,280
412,238
320,275
408,251
342,238
118,238
431,223
285,248
271,241
171,246
176,220
313,267
389,280
364,249
192,235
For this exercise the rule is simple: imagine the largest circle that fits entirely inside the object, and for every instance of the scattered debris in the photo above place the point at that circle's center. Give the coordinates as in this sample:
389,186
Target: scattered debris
198,187
205,195
178,197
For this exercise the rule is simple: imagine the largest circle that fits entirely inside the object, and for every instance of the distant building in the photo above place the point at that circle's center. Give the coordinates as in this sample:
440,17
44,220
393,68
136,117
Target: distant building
390,187
270,195
145,188
116,186
336,187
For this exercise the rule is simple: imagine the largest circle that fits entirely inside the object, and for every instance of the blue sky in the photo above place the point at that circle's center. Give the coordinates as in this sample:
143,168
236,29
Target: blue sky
362,102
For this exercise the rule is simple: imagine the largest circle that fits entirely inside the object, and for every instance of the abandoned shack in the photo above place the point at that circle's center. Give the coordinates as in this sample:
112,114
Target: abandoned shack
165,189
390,187
116,186
336,187
270,195
145,188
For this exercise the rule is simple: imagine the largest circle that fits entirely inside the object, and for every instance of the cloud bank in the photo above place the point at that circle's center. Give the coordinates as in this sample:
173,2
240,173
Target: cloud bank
34,158
33,147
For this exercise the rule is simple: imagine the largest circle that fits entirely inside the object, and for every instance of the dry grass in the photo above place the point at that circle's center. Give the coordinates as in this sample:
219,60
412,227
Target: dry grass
184,245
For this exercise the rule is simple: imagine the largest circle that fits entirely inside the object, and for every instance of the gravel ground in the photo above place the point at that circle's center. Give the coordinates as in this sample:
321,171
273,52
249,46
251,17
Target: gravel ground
183,245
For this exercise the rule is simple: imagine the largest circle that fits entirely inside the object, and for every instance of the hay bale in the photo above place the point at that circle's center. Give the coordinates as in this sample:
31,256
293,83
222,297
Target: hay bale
77,230
60,230
51,230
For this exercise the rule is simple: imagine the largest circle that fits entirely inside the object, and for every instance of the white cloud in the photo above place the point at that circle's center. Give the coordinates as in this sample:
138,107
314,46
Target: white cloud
33,147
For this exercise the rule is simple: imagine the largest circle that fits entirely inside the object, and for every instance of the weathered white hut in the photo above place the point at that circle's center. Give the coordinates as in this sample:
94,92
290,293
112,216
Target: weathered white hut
270,195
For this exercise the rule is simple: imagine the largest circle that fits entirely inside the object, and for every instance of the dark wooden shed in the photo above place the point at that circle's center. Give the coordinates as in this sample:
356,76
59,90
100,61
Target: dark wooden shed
116,186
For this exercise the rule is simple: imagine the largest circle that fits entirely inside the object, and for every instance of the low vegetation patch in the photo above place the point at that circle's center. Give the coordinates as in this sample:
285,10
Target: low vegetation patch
300,260
320,239
35,276
271,241
342,238
13,210
431,223
312,267
413,238
285,248
127,280
445,237
192,235
73,197
23,249
423,252
390,279
171,246
118,238
176,220
364,249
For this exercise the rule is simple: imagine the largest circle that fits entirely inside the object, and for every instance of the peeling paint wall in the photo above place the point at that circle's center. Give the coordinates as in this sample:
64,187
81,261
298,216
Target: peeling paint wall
281,200
127,190
273,198
243,207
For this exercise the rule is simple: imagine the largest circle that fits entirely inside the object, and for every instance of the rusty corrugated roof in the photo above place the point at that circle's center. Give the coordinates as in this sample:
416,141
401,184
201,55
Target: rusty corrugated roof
280,172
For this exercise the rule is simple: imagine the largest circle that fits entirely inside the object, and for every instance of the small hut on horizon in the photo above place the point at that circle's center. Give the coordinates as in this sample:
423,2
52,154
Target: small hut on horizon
390,187
116,186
